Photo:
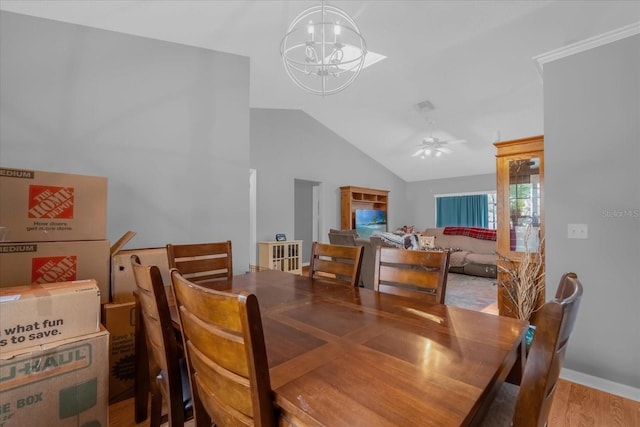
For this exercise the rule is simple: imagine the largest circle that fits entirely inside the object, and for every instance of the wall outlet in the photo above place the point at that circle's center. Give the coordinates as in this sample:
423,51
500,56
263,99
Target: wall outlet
578,231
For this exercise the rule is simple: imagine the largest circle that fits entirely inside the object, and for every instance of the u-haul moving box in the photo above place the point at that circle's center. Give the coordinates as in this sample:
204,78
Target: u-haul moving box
119,319
39,314
42,206
50,262
63,384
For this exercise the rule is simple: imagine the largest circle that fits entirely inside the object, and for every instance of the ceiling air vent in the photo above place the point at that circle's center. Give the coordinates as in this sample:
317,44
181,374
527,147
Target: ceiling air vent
424,106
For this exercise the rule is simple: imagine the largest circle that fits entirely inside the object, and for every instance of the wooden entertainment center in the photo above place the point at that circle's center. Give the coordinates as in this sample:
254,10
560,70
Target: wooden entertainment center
352,198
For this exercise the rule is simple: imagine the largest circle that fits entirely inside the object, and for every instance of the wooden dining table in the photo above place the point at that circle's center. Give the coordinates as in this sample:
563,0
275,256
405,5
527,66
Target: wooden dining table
341,356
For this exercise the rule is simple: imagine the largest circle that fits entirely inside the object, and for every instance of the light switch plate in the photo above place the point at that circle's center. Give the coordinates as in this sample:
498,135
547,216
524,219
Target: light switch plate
578,231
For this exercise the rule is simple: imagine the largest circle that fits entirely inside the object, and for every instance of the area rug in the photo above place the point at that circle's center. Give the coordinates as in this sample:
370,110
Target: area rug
471,292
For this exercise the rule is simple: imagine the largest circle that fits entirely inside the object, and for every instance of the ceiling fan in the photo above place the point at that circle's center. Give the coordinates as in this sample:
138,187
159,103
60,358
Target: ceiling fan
432,146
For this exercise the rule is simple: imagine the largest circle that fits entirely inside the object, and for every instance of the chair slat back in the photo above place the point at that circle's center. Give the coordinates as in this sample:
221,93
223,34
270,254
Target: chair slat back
555,322
418,274
164,355
202,262
227,357
340,263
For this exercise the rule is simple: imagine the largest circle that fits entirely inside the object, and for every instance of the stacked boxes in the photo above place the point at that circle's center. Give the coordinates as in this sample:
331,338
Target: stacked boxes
54,273
49,206
119,319
53,354
119,315
54,228
34,315
122,281
51,262
61,384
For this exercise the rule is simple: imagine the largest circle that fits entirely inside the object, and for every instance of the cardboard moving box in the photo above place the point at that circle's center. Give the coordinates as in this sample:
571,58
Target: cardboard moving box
119,319
122,281
34,315
50,262
42,206
62,385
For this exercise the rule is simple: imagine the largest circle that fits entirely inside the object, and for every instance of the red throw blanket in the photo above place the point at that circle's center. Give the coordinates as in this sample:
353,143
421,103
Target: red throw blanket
475,232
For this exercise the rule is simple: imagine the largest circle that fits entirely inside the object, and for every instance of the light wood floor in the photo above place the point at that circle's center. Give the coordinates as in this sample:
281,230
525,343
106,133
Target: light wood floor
574,406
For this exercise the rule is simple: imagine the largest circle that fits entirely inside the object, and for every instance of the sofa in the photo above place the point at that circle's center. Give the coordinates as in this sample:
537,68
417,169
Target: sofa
351,238
469,254
473,251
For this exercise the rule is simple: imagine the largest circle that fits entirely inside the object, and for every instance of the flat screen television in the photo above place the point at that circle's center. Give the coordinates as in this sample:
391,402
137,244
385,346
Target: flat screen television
370,220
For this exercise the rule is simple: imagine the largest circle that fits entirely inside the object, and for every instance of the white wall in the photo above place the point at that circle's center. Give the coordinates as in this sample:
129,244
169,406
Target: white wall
303,215
592,158
288,145
167,124
421,201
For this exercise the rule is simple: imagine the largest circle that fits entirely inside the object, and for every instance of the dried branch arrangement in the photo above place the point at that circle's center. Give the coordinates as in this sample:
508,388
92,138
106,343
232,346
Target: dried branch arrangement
525,280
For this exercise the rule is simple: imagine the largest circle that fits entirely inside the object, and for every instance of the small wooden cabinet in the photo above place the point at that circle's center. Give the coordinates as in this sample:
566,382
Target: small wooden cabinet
520,190
353,198
283,256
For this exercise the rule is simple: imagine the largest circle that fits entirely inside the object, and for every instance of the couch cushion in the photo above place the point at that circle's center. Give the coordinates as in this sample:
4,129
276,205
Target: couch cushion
482,258
457,258
377,241
334,231
393,240
343,237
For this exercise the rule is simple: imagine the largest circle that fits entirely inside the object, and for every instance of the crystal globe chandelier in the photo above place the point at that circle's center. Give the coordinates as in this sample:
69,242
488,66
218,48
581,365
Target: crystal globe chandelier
323,51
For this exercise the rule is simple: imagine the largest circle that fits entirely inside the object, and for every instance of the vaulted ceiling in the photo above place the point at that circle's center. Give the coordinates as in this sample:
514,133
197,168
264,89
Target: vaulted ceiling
473,60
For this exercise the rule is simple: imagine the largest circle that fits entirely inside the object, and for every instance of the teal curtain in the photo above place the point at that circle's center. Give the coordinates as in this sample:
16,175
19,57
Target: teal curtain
463,211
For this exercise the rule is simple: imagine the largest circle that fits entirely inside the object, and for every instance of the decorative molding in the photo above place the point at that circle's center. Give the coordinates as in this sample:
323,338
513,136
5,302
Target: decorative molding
584,45
607,386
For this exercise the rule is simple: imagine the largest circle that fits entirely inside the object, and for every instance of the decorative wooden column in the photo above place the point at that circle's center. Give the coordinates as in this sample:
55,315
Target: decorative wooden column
520,191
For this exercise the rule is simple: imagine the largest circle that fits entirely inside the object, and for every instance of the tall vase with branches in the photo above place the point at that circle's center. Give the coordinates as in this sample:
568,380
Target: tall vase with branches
524,279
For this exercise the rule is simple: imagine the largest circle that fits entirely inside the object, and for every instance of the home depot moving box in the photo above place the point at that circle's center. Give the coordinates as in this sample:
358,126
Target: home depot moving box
39,314
119,319
49,262
42,206
60,384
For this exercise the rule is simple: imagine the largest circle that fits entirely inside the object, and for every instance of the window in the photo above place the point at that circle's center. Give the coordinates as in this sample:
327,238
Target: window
466,210
493,210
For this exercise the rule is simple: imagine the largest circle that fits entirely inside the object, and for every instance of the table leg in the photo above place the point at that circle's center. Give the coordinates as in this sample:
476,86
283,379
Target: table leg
515,375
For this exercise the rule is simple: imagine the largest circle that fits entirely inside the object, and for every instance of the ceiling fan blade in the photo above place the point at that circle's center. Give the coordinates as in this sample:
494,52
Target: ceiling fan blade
417,153
457,141
444,150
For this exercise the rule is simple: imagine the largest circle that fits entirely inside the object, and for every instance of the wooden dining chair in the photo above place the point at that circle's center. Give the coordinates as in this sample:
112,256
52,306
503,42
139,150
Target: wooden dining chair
413,273
168,374
341,264
528,405
224,342
202,262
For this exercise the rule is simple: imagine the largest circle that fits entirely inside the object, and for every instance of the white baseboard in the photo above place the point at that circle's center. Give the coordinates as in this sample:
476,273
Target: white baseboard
601,384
